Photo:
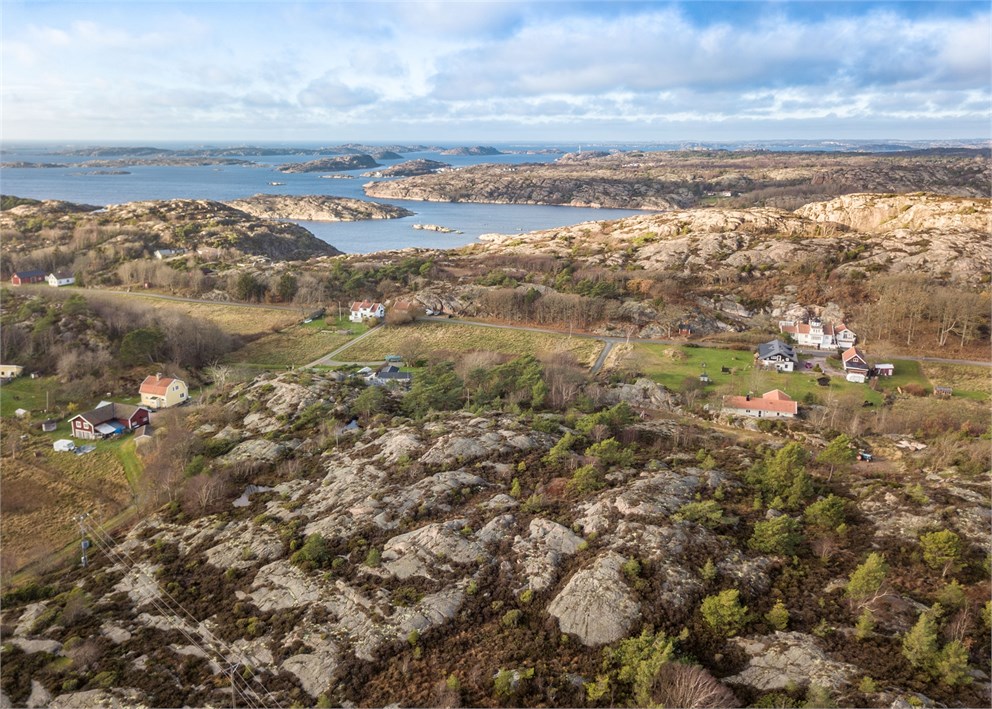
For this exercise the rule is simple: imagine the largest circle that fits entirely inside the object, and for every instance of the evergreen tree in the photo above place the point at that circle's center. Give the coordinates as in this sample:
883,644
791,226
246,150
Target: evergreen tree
865,583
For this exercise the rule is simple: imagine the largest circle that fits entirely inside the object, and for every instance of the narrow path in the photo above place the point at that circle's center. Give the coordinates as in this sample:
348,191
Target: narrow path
329,360
607,348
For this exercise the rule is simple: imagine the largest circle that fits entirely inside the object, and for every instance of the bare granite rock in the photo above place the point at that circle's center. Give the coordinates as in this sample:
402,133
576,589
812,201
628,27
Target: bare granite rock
787,658
544,550
596,604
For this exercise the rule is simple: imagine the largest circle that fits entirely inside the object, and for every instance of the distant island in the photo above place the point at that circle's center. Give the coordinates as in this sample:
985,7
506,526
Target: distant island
477,150
344,162
316,208
409,168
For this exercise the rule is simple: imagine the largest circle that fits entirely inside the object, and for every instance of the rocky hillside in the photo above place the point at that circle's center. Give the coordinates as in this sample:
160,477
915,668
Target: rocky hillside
943,237
473,150
484,559
409,168
666,180
344,162
179,223
316,208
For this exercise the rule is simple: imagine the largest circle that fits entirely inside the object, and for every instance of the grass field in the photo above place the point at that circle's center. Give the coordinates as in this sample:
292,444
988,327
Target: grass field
967,381
296,345
234,319
42,491
26,393
466,338
671,365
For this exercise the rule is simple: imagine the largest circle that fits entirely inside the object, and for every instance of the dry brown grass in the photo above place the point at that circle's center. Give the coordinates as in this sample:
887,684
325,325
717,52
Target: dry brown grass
294,346
467,338
961,378
43,491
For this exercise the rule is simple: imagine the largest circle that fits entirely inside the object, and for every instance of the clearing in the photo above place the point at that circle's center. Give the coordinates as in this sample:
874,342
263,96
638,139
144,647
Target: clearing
299,343
458,337
43,490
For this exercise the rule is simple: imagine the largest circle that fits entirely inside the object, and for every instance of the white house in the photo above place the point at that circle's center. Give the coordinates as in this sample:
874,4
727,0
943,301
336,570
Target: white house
819,334
777,354
61,278
365,309
166,253
9,371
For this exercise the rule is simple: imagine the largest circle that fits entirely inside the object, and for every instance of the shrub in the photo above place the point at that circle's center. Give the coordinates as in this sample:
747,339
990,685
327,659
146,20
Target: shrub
919,645
865,584
314,554
779,535
778,616
941,550
511,619
707,513
631,569
724,612
586,479
611,452
373,558
865,625
827,514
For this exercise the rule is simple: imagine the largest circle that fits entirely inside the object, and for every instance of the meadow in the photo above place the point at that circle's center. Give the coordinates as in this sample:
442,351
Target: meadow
460,338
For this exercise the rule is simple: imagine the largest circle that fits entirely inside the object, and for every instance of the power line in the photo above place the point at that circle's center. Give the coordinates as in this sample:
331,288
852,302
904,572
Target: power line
175,614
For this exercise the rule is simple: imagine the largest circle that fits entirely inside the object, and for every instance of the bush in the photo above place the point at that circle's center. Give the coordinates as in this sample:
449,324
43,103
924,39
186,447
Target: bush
778,616
611,452
865,583
941,550
779,535
585,480
708,513
724,612
511,619
314,554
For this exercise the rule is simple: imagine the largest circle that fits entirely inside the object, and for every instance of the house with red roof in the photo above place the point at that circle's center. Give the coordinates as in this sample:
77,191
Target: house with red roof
855,362
366,309
158,392
771,404
819,334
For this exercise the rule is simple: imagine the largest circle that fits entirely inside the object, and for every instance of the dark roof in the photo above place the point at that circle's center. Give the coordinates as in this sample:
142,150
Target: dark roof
402,376
30,274
63,274
108,412
776,347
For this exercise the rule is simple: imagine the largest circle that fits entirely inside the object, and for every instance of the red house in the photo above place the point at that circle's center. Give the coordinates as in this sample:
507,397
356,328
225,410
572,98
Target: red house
22,277
108,419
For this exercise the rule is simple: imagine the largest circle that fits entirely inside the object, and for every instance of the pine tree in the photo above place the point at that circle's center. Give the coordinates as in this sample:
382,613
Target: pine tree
866,582
919,645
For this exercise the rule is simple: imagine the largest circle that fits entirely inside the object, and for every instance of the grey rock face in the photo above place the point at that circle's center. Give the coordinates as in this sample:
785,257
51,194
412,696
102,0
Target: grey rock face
781,659
544,550
596,604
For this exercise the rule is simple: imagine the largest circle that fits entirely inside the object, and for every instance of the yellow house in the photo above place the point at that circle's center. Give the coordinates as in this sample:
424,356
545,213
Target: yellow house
158,392
9,371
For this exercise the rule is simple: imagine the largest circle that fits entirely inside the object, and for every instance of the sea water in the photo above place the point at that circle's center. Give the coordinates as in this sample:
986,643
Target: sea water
229,182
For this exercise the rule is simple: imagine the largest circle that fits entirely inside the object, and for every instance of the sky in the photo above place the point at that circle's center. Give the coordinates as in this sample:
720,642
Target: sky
494,71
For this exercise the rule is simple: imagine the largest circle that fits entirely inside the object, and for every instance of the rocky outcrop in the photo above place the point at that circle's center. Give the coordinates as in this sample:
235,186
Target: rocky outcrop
878,214
666,180
316,208
344,162
596,605
784,660
730,241
409,168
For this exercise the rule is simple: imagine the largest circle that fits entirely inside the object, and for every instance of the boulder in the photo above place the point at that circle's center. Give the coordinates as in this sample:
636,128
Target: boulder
315,668
596,604
544,550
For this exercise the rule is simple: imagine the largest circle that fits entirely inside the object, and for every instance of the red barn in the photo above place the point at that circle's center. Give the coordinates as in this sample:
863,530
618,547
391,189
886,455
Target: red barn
22,277
108,419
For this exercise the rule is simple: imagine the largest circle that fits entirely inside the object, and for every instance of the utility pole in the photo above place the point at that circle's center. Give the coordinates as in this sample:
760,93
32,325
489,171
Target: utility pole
85,543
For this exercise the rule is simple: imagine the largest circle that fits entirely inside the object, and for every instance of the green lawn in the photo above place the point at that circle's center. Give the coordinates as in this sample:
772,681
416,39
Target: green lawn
26,393
457,337
671,371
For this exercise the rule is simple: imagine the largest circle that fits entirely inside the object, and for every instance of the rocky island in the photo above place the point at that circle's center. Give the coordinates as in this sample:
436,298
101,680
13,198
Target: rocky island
475,150
316,208
343,162
668,180
409,168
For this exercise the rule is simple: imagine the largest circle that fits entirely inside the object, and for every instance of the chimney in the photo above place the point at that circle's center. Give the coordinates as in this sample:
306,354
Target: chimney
158,376
747,398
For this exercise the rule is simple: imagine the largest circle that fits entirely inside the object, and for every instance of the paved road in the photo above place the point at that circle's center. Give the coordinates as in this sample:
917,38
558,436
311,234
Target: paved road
602,357
329,360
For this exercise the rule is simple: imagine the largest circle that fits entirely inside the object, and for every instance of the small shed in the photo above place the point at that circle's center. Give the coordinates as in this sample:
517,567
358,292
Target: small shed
943,392
885,370
64,445
49,425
